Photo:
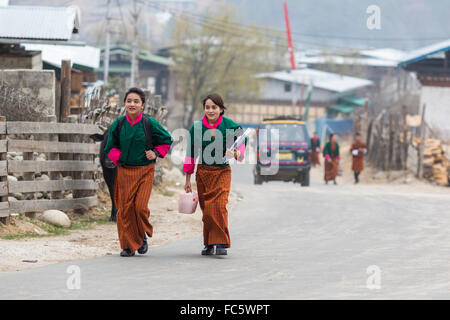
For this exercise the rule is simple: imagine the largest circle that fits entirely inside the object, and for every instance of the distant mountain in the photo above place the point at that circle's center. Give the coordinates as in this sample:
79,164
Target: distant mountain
337,24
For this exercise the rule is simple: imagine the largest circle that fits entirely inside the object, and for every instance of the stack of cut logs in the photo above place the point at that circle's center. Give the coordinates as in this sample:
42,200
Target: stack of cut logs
435,165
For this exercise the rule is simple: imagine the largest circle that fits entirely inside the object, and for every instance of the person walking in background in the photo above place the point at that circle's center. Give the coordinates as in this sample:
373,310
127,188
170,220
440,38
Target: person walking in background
358,150
332,158
134,143
315,150
210,139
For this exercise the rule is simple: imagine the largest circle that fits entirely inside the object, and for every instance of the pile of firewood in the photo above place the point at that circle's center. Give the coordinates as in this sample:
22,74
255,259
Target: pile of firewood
435,165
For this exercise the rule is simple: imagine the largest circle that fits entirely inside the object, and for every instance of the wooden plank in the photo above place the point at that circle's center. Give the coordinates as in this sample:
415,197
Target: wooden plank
50,166
4,213
51,185
4,209
3,188
57,204
22,127
3,166
2,127
59,147
3,145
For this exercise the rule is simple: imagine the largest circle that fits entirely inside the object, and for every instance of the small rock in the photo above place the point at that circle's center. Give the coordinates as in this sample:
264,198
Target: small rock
12,179
43,177
55,217
39,195
12,199
18,196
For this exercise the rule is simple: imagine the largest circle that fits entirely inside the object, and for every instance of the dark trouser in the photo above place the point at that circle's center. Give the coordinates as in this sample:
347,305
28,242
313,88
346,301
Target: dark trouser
357,176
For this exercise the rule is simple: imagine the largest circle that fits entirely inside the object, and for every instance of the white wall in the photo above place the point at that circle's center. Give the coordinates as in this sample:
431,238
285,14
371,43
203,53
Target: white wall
437,113
274,90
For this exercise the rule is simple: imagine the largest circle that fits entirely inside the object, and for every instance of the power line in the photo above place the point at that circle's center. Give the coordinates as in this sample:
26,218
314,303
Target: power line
235,30
321,36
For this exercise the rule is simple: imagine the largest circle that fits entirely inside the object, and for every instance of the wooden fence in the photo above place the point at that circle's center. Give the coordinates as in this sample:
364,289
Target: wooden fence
394,144
68,151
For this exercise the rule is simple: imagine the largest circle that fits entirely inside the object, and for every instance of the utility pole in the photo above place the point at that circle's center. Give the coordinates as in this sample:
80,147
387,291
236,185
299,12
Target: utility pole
107,45
134,53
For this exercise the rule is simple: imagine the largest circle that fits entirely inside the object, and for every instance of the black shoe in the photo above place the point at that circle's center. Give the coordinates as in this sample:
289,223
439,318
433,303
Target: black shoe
221,251
208,251
144,248
335,182
126,253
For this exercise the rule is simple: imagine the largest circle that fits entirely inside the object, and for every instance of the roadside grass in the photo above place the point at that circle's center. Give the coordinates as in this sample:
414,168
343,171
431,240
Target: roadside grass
22,227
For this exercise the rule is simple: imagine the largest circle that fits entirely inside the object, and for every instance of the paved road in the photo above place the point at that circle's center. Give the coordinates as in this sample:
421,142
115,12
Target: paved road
288,242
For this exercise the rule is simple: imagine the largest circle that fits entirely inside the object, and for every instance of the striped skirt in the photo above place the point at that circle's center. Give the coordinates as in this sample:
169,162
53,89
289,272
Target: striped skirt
213,186
331,169
132,190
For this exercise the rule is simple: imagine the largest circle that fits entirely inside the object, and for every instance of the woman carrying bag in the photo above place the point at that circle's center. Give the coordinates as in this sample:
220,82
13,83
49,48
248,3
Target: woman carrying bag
210,140
134,143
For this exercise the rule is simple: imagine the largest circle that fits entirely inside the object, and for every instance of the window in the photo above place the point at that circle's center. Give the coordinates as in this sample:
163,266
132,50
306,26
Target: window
287,87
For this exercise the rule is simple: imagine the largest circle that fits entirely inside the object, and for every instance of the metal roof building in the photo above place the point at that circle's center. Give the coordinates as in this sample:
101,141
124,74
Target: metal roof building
38,23
82,57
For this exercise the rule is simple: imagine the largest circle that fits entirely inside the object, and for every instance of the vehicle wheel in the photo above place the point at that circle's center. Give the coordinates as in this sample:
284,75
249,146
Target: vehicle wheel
305,182
258,179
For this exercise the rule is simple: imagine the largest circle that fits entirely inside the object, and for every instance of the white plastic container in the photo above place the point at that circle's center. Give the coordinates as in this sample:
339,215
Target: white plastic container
187,202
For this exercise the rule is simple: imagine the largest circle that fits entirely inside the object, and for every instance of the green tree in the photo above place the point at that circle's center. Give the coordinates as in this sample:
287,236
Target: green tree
214,53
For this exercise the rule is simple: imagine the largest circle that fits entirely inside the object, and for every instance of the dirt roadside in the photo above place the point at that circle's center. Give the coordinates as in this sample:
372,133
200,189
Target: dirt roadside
97,237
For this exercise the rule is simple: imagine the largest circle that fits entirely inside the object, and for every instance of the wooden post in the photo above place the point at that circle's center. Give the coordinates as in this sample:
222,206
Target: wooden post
66,71
54,175
29,176
421,145
405,142
4,211
76,175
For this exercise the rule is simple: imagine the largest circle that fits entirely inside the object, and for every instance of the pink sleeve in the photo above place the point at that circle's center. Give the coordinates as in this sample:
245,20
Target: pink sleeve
114,155
327,156
189,165
163,149
242,151
338,157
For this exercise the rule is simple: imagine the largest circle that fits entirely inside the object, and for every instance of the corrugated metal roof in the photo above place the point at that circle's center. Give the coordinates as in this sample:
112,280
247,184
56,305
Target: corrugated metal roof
143,55
425,52
335,59
85,56
325,80
342,108
38,23
389,54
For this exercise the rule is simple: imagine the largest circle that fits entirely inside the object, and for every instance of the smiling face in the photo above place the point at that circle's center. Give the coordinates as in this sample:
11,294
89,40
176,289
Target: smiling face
134,105
212,111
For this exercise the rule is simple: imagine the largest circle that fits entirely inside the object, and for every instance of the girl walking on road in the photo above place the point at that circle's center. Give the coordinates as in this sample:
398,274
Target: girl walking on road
358,149
210,140
134,143
332,158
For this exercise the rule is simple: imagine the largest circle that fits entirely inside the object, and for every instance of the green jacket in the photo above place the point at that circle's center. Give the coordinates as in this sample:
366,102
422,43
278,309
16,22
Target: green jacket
202,143
327,150
131,142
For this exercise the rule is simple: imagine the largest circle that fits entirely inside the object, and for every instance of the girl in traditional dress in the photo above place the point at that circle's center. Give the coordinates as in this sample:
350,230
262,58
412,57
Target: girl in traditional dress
210,139
315,150
358,149
332,158
129,149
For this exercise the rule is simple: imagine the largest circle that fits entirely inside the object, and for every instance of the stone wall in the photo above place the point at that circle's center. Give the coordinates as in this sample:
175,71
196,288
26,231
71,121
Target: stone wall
39,84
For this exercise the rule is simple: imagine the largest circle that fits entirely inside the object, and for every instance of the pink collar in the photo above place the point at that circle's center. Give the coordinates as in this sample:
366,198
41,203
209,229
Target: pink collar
206,124
139,118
